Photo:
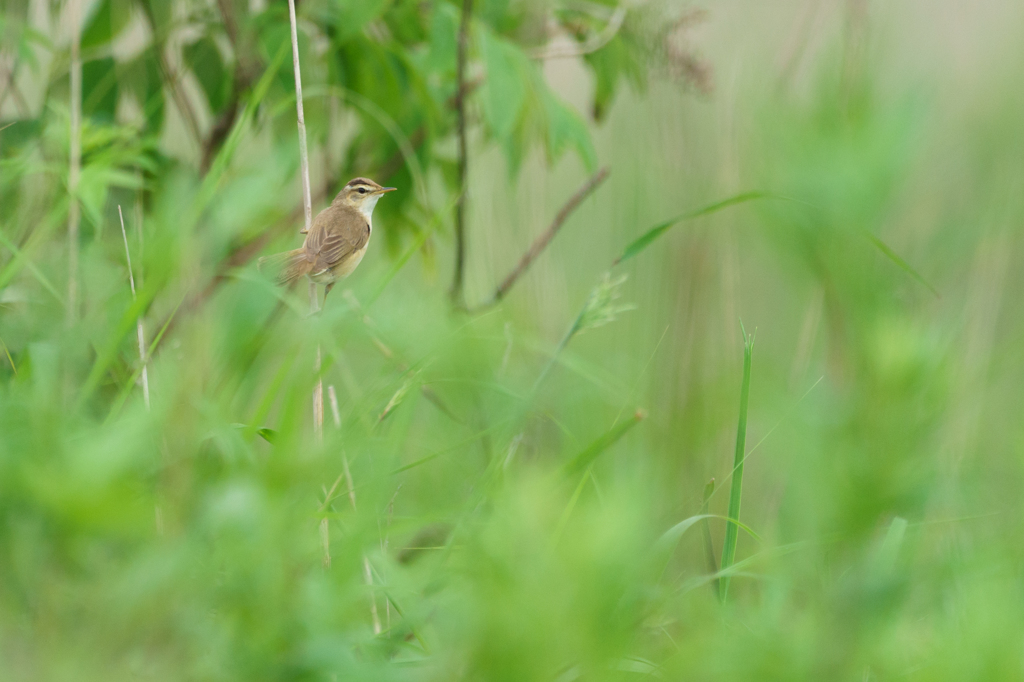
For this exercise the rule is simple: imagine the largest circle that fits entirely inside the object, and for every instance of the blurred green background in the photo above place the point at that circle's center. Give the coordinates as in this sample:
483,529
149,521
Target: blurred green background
496,497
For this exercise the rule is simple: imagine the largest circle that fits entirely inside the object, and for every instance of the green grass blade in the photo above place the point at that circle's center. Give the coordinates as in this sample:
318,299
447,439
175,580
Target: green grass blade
736,488
567,512
672,535
588,455
900,263
7,353
647,238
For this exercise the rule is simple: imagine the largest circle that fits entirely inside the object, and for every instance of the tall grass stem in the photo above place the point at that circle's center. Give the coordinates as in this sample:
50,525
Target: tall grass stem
367,570
736,486
307,205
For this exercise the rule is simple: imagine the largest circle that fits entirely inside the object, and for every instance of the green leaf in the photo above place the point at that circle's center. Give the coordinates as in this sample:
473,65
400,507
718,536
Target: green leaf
610,64
566,128
647,238
105,22
504,92
206,62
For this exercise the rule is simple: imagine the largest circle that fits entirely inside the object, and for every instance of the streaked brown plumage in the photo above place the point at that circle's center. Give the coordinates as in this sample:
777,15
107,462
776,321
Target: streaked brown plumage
337,239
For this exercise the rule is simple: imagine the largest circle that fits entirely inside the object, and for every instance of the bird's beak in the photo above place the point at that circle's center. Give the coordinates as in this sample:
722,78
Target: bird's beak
384,190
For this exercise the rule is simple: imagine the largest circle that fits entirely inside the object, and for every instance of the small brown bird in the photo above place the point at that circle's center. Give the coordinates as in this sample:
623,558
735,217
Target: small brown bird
337,239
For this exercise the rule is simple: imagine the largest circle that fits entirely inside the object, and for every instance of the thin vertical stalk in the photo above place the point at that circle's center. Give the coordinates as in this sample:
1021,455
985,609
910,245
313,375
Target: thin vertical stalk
458,295
347,473
138,322
74,216
318,389
303,150
736,487
307,204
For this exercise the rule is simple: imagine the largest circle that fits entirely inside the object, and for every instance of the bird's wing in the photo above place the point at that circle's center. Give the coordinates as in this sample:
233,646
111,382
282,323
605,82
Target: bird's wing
336,234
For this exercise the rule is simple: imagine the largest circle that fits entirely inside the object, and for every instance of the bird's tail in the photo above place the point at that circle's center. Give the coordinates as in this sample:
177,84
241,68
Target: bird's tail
287,267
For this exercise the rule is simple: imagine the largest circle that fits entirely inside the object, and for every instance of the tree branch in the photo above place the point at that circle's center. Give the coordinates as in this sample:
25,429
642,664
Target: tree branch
542,241
458,296
75,153
243,78
171,77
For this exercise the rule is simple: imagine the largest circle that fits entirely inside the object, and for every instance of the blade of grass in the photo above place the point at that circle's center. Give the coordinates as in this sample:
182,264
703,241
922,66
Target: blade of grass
900,263
567,512
672,535
7,352
736,487
588,455
647,238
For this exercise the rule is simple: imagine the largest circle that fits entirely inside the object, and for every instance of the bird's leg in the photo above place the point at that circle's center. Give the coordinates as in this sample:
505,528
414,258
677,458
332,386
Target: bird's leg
327,290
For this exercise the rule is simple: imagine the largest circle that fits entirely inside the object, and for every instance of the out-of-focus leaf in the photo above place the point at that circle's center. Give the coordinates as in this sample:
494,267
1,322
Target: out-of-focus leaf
206,62
269,435
99,89
444,36
95,183
350,18
28,40
504,91
105,22
609,64
141,77
160,11
19,133
566,128
406,22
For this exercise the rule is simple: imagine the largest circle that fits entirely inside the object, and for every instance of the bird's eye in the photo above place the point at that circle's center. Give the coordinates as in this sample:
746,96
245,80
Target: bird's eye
362,190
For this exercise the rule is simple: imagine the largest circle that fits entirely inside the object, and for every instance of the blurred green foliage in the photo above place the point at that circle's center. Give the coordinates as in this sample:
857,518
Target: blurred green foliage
515,494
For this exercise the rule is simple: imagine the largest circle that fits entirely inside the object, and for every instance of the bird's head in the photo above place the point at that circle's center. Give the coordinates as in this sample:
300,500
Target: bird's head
361,194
